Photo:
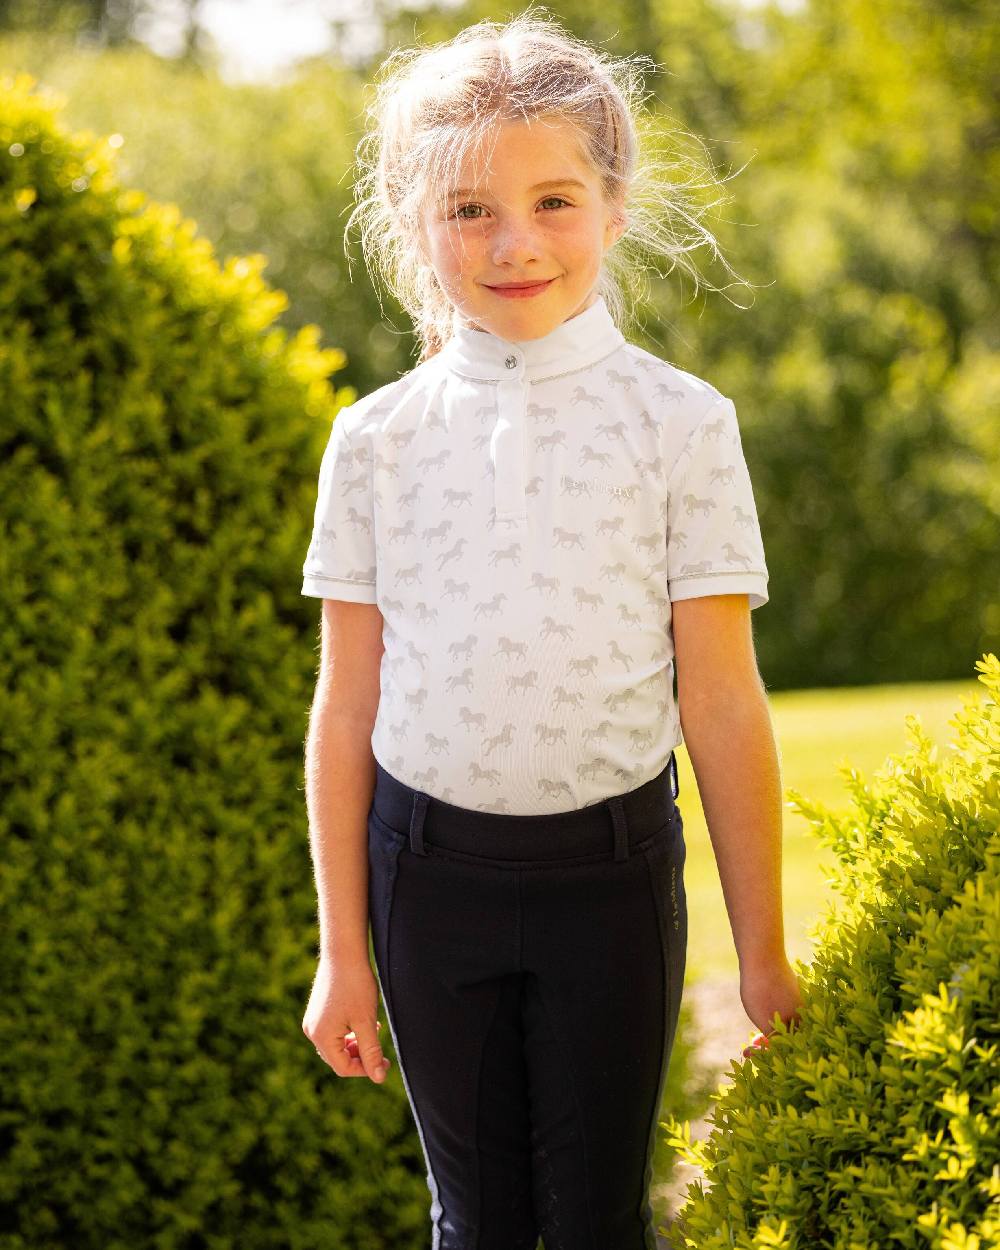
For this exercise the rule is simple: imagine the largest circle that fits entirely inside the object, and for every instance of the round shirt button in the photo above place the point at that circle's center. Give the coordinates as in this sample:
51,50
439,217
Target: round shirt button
511,362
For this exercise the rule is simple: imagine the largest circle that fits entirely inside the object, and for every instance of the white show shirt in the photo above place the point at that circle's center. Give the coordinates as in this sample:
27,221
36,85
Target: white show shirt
523,513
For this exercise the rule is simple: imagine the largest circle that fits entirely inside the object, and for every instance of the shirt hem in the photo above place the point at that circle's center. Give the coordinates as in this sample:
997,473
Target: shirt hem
323,586
695,586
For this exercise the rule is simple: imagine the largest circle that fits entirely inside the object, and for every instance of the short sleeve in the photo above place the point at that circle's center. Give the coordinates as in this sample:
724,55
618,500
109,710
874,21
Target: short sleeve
714,544
340,563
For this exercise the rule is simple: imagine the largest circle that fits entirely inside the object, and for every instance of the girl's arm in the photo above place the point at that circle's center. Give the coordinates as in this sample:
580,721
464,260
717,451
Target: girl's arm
341,1018
727,729
340,773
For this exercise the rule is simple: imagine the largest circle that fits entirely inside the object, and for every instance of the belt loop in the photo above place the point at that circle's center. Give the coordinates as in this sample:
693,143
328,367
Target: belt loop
617,809
675,785
420,801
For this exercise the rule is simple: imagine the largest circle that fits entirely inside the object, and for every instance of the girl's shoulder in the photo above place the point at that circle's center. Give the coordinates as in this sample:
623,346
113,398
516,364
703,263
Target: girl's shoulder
675,385
377,407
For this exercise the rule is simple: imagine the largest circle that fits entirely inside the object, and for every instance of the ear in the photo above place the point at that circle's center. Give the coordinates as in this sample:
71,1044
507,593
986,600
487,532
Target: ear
616,226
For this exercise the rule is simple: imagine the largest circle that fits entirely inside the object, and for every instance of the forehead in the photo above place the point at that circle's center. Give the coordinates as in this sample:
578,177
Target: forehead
533,154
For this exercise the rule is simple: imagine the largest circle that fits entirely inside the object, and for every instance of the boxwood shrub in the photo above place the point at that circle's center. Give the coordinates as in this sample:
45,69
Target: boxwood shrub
159,446
874,1122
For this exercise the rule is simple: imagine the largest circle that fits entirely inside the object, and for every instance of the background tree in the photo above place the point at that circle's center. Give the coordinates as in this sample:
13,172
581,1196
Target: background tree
857,143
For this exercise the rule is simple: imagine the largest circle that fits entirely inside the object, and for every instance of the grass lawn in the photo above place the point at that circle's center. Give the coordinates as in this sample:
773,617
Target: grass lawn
816,730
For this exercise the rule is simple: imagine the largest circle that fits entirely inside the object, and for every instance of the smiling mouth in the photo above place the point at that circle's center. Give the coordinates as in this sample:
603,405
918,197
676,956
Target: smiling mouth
521,290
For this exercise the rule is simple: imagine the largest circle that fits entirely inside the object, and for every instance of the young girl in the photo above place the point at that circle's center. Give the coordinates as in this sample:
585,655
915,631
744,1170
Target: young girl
516,542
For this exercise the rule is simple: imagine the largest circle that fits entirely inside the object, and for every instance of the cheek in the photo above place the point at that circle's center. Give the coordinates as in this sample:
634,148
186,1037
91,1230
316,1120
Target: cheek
453,248
577,234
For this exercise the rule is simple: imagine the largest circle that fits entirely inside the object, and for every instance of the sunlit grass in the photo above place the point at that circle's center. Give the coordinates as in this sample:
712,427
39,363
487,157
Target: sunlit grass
816,730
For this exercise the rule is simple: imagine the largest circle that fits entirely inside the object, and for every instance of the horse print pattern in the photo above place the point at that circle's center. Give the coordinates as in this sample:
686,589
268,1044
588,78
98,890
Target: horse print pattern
523,514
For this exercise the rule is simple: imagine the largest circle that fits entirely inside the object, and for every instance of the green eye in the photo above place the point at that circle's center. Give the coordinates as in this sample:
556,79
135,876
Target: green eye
461,208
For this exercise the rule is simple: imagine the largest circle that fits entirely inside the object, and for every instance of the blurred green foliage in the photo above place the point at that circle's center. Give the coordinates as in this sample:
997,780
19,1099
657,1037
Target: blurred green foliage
858,144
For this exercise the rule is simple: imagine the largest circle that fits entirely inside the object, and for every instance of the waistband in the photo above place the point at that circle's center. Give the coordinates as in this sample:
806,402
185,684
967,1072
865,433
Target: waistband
615,824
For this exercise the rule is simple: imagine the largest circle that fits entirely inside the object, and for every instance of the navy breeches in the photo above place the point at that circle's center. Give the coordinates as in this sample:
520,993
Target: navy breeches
531,969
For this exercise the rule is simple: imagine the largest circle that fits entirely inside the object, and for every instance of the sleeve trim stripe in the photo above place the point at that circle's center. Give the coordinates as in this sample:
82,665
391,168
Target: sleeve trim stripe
328,577
751,575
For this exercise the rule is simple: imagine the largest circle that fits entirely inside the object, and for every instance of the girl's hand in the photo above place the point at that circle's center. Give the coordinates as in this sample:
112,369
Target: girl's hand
766,989
341,1020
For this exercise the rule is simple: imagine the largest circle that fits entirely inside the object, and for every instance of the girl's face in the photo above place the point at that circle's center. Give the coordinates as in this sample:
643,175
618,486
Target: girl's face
533,213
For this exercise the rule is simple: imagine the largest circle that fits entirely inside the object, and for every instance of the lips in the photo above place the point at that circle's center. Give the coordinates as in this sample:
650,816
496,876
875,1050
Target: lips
518,286
521,290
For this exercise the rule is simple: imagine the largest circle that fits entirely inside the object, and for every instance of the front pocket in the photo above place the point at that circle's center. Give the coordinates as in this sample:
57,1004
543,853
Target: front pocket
666,835
384,847
378,826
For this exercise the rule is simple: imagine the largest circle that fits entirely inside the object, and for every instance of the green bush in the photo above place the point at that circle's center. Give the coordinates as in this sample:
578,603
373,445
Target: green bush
874,1121
261,166
158,456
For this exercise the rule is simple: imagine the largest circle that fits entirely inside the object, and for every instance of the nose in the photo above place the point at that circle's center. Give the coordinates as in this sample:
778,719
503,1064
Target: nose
514,243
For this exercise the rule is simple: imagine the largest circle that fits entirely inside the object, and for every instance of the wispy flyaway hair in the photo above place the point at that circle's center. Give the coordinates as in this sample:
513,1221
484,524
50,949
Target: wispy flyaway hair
432,106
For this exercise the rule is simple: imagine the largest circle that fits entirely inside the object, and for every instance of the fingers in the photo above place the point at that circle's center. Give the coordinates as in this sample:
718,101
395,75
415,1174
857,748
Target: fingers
348,1057
367,1050
345,994
351,1040
761,1041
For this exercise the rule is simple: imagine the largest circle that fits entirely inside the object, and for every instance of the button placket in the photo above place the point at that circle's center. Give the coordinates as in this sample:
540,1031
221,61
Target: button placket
508,444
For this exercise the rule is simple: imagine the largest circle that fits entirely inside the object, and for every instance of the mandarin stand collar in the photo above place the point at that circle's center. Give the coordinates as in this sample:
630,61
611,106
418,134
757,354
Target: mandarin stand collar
583,340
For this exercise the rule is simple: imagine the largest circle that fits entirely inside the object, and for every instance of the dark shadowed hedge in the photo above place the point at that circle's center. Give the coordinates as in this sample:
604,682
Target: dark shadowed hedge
158,457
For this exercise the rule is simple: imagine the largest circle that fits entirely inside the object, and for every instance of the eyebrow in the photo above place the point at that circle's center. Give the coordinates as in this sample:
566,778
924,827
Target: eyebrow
539,186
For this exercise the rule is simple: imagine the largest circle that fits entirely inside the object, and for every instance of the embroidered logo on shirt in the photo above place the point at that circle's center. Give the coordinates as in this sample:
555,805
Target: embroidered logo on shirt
576,485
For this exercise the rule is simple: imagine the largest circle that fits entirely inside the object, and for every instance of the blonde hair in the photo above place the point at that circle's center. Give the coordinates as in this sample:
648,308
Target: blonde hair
433,105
